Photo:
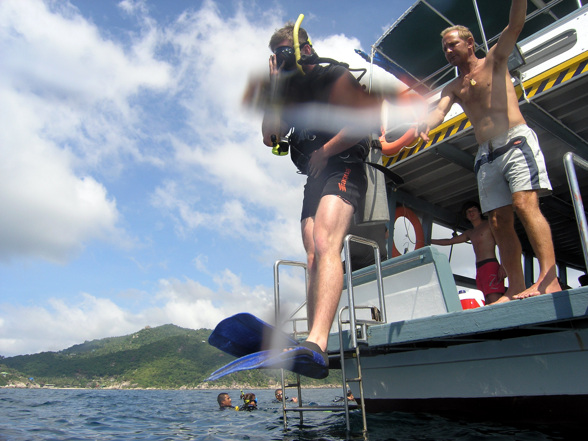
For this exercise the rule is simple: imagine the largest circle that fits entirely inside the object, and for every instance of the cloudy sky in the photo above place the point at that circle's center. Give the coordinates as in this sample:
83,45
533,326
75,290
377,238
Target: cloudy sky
134,188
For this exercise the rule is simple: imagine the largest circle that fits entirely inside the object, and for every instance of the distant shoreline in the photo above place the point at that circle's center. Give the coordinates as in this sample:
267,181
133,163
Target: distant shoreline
232,387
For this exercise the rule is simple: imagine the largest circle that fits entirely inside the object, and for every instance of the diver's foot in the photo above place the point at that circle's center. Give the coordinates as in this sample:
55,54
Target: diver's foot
313,347
306,358
316,348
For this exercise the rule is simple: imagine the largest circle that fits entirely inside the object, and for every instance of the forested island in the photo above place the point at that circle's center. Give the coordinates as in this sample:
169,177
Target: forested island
163,357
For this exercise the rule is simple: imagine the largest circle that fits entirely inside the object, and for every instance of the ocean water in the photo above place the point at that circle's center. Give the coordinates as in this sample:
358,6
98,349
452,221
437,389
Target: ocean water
54,414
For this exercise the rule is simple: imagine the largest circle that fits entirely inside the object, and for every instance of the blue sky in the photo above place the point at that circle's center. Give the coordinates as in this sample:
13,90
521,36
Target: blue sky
135,189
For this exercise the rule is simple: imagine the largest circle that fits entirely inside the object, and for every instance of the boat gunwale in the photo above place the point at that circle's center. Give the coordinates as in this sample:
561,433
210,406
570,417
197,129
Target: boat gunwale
530,316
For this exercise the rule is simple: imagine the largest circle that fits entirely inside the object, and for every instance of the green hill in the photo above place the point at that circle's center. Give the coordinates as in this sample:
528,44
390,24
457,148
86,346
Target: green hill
162,357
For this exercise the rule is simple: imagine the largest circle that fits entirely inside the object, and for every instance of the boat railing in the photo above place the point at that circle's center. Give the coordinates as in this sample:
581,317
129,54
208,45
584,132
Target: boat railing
349,278
569,160
292,317
379,317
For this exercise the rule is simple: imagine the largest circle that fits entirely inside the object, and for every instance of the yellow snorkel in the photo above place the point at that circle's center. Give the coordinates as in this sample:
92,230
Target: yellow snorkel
281,148
297,42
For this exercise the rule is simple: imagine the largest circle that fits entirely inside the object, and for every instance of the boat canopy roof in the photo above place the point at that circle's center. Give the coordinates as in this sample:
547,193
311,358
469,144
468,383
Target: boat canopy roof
408,50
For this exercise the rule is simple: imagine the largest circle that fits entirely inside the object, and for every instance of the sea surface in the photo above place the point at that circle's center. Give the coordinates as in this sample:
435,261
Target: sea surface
57,414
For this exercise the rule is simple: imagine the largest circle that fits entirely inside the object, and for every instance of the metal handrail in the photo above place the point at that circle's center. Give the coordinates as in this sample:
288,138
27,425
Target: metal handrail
352,323
349,277
569,160
277,283
277,265
358,379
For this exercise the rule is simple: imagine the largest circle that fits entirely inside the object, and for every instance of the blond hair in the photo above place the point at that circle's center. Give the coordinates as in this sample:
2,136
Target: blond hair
462,32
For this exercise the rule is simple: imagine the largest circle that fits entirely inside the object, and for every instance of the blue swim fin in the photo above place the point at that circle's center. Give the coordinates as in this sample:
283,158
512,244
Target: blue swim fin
299,359
244,334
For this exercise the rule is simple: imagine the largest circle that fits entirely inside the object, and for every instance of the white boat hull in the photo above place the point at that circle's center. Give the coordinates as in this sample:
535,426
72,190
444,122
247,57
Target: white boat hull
541,374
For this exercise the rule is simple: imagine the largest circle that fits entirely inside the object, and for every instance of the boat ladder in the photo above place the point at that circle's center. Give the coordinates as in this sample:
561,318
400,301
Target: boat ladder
350,350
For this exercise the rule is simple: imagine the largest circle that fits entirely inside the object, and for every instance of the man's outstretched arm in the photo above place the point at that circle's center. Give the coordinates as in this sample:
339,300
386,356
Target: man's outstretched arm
437,116
508,38
456,239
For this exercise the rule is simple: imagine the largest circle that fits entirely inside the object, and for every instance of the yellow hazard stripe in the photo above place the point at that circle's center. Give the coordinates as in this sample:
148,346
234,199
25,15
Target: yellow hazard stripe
533,86
556,75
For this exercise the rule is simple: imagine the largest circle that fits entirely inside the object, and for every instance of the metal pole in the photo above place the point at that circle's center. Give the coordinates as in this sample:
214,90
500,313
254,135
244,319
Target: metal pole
480,25
350,299
569,160
343,373
349,278
277,320
277,283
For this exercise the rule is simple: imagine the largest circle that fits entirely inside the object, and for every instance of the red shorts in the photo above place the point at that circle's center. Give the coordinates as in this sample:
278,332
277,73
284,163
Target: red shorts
487,277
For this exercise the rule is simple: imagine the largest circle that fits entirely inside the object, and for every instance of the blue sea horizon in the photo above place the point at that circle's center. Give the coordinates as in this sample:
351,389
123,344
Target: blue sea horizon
82,414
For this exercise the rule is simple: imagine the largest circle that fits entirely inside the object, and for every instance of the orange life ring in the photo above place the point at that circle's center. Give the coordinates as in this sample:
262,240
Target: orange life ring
415,102
394,147
416,223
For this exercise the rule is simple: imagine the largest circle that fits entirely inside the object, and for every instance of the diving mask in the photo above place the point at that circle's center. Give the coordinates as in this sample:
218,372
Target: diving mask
285,57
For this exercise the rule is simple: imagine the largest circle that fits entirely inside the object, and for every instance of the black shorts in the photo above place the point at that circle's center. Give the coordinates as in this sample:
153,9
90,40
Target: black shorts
344,179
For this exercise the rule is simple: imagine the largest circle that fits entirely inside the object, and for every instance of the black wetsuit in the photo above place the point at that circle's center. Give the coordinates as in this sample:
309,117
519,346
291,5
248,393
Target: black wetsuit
344,174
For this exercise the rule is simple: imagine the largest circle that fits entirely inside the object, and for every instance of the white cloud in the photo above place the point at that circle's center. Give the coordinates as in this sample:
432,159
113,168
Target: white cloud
59,54
262,192
48,211
200,263
188,303
59,325
68,90
133,6
76,100
85,107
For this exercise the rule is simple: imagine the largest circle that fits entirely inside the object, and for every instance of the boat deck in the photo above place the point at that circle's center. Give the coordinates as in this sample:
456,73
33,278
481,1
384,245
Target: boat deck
547,313
523,358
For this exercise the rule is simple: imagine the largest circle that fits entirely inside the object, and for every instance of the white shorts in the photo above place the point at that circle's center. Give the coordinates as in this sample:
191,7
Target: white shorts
509,163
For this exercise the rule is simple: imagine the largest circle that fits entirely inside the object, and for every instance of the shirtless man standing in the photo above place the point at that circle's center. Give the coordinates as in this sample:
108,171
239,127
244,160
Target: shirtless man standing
489,275
509,165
